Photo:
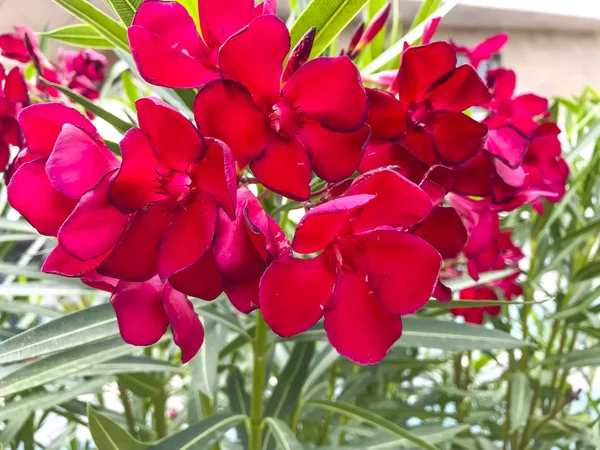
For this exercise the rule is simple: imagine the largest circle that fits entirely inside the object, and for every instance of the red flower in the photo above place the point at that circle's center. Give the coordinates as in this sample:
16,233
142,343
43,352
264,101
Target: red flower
427,120
175,181
169,51
13,97
484,50
365,278
244,247
475,314
315,121
87,63
13,45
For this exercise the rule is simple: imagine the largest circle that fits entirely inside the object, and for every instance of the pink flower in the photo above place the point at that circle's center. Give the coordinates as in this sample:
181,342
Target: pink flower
365,278
244,248
427,120
285,130
168,49
87,63
12,45
484,50
175,181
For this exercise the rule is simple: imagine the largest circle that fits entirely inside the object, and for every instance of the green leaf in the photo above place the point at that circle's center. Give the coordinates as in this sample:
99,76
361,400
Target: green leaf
24,307
520,398
427,9
132,364
131,90
61,365
108,435
320,364
465,282
366,416
239,401
200,433
284,437
17,225
192,8
113,31
203,366
289,384
579,358
125,9
329,17
69,331
392,53
81,35
589,271
92,107
65,288
12,427
432,433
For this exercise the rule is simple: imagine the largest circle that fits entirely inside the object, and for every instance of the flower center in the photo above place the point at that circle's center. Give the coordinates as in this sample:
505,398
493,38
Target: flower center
420,115
177,187
285,119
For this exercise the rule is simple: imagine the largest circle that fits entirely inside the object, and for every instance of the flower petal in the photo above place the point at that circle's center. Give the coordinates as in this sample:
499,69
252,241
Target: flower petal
188,332
95,226
401,286
176,141
474,177
50,208
60,262
202,279
78,162
329,90
463,89
289,304
15,87
322,224
444,230
382,153
243,294
140,314
334,156
508,144
420,145
225,110
387,117
529,105
457,137
221,19
284,168
244,58
357,325
188,238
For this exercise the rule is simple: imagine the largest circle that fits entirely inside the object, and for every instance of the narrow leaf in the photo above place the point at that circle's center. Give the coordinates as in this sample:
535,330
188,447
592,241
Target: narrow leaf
284,437
81,35
239,401
520,398
125,9
108,435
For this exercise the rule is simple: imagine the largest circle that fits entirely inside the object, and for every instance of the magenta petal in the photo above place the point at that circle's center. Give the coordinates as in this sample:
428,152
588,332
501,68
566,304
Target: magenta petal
329,90
60,262
175,139
357,325
444,230
221,19
463,89
508,144
43,122
243,294
244,57
512,177
95,226
202,279
225,110
284,167
401,286
289,304
529,105
188,332
78,162
457,137
15,87
322,224
140,314
50,208
188,238
135,186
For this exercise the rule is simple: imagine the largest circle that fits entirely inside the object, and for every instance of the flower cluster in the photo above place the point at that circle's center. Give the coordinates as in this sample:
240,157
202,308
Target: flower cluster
13,97
175,216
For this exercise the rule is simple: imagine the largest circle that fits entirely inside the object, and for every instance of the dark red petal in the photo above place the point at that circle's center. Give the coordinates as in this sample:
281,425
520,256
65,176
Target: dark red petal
166,47
43,122
463,89
444,230
429,30
457,137
484,234
225,110
300,54
135,186
216,175
221,19
442,293
188,332
134,258
329,90
334,156
382,153
94,280
474,177
95,226
398,201
176,141
15,88
244,58
202,279
420,145
140,314
322,224
289,304
243,294
401,286
503,82
78,162
50,208
284,168
357,325
387,117
508,144
188,238
421,67
60,262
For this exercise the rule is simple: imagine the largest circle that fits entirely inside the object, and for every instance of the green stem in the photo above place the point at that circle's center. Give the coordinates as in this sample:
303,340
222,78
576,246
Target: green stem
261,349
28,432
160,422
127,410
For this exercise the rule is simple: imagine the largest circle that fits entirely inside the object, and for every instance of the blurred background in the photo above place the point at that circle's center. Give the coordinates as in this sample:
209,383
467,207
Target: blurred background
554,45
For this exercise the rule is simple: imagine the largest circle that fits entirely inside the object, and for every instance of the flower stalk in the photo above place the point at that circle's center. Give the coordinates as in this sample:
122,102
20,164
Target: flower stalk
261,351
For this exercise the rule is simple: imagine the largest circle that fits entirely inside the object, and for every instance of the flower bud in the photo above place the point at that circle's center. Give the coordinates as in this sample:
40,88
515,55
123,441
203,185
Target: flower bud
372,30
300,54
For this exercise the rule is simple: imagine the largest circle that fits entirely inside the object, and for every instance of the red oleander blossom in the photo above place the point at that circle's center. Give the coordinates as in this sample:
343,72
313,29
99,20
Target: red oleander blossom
12,45
13,97
175,181
285,128
364,278
476,314
168,49
87,63
484,50
425,126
